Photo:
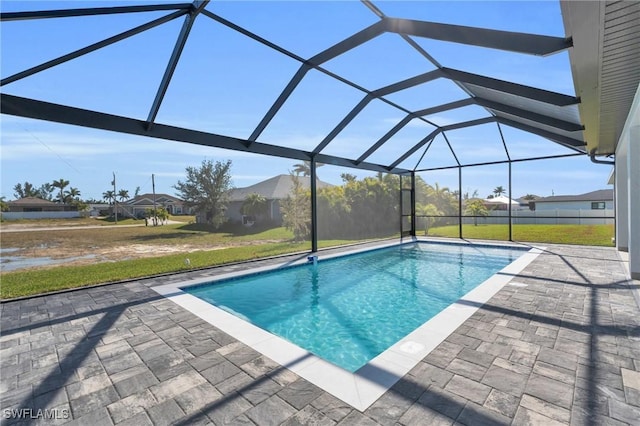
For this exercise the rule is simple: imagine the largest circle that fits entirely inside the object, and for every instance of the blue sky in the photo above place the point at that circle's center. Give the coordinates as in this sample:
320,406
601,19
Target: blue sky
225,83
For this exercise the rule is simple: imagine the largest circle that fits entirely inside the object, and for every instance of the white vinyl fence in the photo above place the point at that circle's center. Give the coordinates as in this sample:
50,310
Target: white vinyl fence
547,217
42,215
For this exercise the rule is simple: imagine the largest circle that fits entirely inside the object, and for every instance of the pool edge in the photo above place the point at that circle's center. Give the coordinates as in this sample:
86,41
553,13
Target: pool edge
362,388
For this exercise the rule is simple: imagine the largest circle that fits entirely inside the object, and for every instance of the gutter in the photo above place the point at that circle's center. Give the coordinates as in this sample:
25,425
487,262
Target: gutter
592,156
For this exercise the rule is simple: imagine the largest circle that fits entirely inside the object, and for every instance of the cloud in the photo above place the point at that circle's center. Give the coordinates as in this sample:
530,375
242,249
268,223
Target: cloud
83,144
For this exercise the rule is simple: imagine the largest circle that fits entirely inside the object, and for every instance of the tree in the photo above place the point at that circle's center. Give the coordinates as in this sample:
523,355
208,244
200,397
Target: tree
162,214
206,189
476,208
45,191
304,168
72,194
530,197
24,191
3,205
109,196
296,210
359,209
60,184
499,190
136,192
29,190
441,197
474,194
254,205
428,213
123,194
347,177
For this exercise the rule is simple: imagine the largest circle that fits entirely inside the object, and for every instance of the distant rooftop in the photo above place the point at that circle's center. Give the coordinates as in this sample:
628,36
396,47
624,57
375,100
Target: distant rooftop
160,198
275,188
31,201
599,195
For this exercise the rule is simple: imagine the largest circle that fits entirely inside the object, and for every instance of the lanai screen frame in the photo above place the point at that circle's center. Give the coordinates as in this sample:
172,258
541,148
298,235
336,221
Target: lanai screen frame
544,113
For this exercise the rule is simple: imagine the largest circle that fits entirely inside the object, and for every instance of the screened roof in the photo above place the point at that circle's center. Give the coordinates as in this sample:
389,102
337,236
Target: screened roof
373,85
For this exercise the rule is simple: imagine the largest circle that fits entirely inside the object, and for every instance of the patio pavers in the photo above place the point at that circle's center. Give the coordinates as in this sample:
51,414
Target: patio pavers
559,346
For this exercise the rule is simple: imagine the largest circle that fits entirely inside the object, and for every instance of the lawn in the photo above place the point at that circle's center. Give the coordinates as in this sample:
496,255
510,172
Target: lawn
29,282
70,242
592,235
133,252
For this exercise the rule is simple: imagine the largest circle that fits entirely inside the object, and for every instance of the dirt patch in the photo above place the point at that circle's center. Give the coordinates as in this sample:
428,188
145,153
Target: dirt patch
89,245
137,251
93,255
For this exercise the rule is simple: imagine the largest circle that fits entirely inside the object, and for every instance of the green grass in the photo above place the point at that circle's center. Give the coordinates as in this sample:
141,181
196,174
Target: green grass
259,243
24,283
592,235
39,281
81,241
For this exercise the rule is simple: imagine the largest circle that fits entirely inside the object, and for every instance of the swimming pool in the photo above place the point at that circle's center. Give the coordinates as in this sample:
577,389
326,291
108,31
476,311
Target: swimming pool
363,387
348,310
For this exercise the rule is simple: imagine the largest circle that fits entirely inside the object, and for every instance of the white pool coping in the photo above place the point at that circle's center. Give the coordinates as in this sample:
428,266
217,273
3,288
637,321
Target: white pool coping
370,382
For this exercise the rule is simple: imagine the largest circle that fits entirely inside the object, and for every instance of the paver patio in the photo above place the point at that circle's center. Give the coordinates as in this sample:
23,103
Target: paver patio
559,345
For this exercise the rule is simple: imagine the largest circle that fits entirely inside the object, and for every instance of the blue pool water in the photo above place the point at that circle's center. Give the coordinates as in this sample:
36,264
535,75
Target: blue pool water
348,310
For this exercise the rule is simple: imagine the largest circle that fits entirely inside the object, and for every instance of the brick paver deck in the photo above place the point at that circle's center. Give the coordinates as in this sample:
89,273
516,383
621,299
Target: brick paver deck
562,346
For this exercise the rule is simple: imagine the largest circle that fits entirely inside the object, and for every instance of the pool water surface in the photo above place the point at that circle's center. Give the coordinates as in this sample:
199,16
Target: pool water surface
348,310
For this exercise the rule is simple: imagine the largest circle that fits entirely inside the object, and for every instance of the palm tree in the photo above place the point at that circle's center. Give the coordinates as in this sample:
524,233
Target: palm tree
123,194
254,205
304,168
442,198
62,184
348,177
109,196
476,208
72,194
499,190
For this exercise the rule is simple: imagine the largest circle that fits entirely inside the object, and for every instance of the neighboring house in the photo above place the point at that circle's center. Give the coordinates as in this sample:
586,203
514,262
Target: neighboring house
528,203
501,202
98,209
37,208
136,206
274,190
595,200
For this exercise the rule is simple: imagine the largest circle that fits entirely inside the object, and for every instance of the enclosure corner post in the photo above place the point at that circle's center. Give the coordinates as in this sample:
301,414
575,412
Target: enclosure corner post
413,203
460,202
510,201
314,206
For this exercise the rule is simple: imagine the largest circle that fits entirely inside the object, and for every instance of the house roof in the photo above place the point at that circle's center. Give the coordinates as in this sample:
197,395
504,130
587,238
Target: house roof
148,199
31,201
275,188
604,63
599,195
500,199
